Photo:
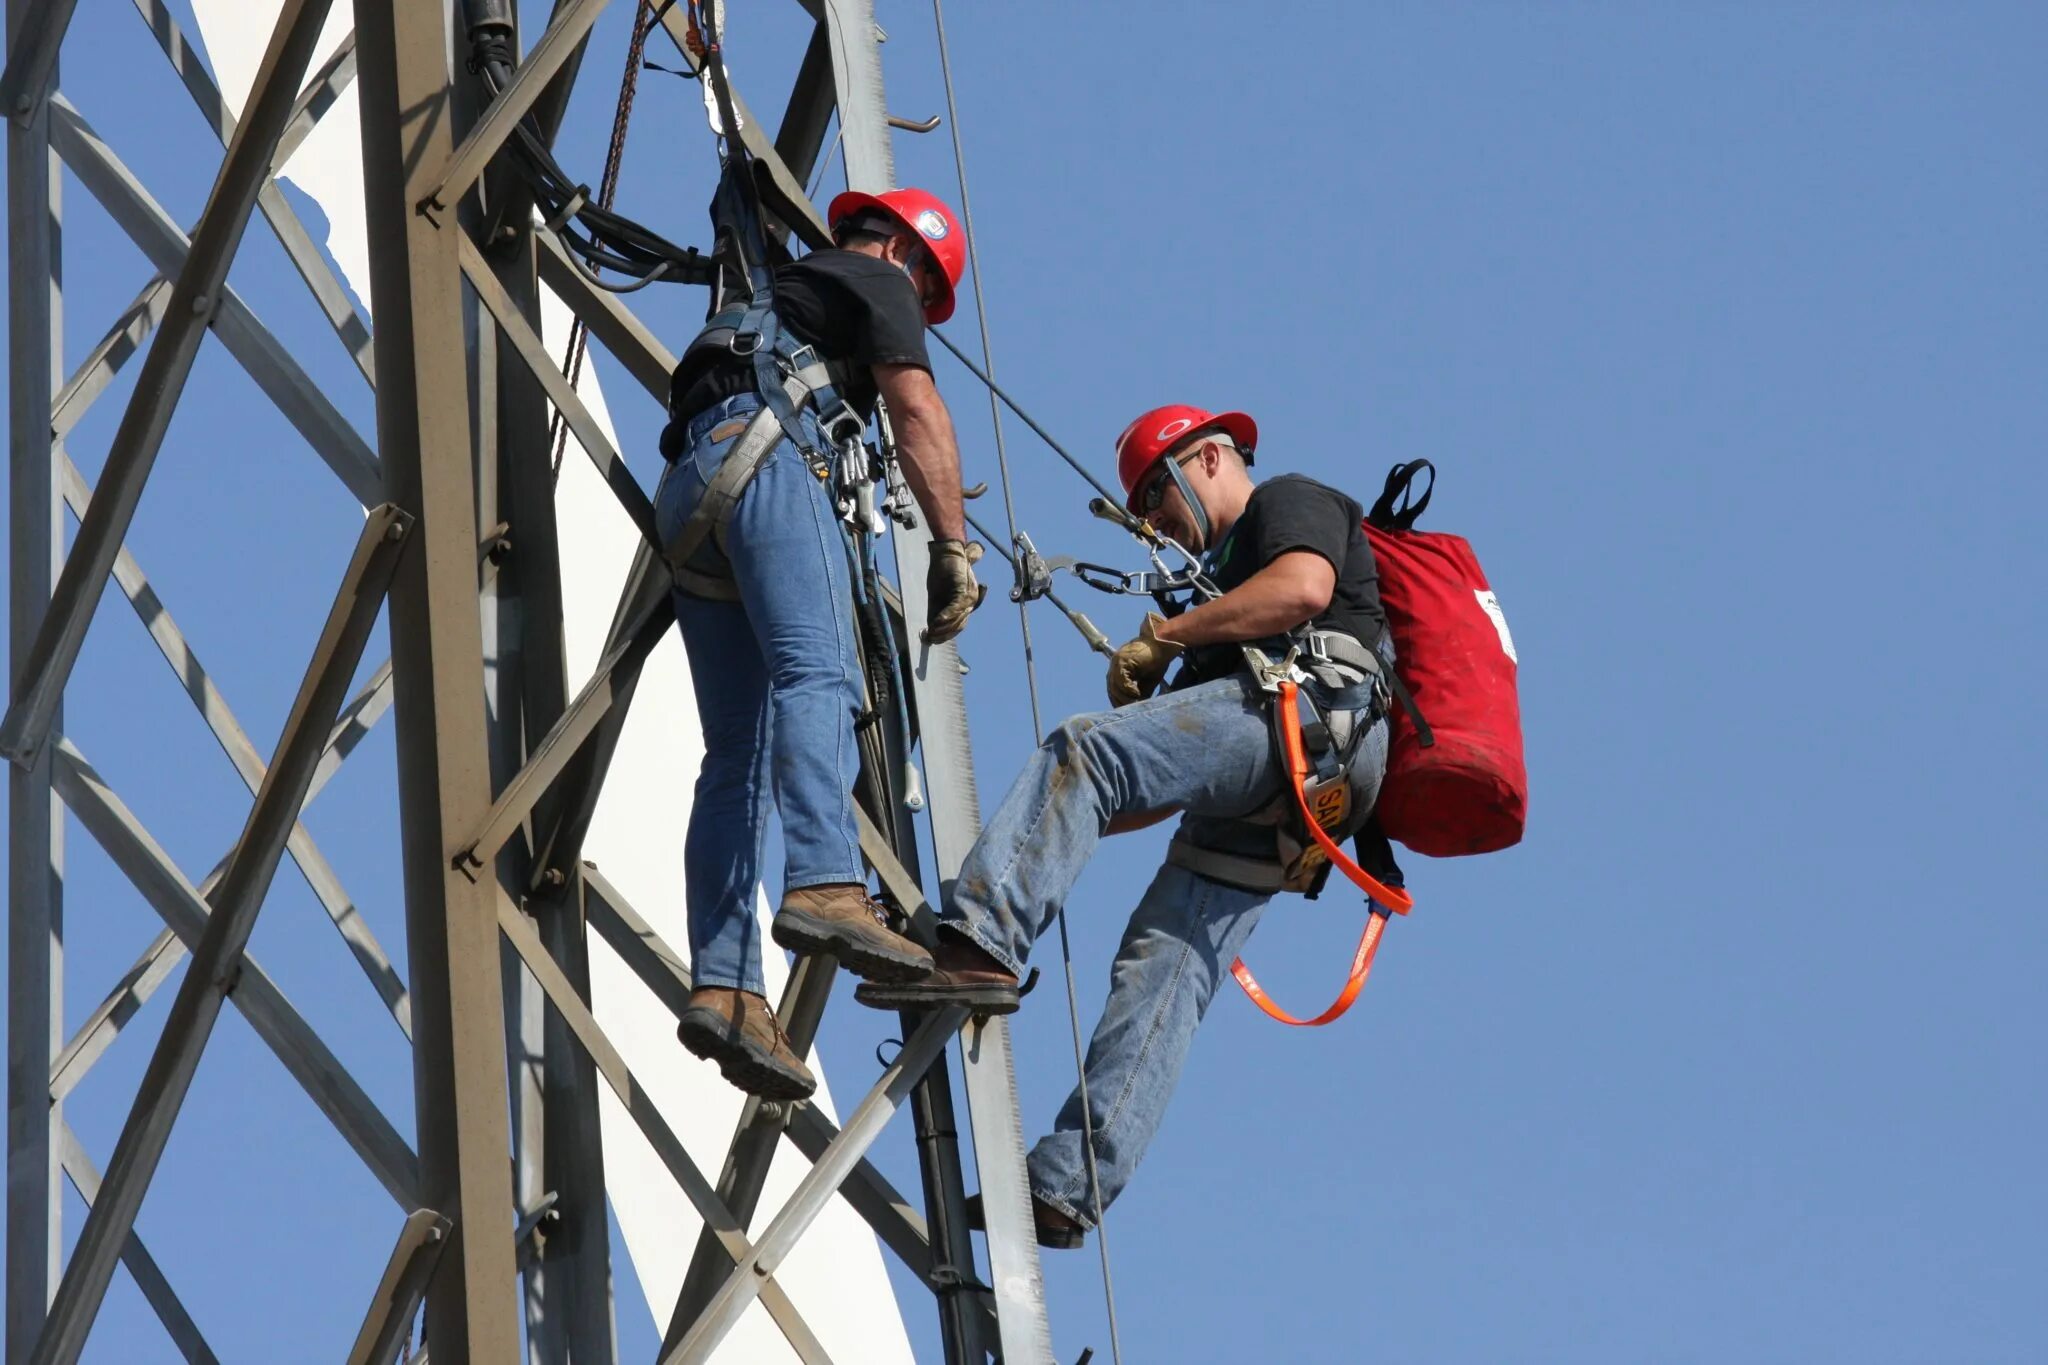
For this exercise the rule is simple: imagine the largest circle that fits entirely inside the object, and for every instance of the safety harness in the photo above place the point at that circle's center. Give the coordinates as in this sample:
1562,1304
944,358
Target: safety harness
1327,798
791,378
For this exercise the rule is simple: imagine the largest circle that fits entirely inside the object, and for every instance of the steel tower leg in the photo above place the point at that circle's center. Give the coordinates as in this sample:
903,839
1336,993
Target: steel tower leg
35,821
403,59
954,802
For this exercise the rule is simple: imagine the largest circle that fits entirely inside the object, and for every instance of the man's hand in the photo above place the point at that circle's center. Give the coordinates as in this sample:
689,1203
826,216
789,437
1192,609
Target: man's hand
950,590
1136,669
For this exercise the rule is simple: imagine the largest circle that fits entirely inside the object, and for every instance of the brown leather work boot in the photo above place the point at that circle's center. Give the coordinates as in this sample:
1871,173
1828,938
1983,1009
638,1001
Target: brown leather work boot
843,920
1054,1229
962,974
737,1030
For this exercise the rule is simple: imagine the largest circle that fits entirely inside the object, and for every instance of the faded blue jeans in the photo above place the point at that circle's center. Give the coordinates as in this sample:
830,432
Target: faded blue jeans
778,684
1206,750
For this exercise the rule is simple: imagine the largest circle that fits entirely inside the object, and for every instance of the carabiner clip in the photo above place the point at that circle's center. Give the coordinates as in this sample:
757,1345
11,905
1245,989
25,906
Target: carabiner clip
1102,578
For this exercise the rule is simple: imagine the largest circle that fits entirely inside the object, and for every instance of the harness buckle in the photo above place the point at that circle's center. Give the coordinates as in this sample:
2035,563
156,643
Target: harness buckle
841,426
752,340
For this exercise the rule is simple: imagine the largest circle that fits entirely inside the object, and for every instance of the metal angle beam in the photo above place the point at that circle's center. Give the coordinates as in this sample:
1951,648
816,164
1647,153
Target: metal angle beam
732,1236
527,343
33,40
954,803
560,1140
35,823
105,360
530,80
234,741
646,596
335,75
311,262
103,1026
662,971
149,1277
252,345
610,321
607,685
660,968
812,100
398,1294
216,958
191,70
358,718
243,173
816,1189
409,111
270,1014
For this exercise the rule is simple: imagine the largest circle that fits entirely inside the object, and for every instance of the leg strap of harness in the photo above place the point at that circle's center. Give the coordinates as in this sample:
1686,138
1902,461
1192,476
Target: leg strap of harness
715,511
1232,869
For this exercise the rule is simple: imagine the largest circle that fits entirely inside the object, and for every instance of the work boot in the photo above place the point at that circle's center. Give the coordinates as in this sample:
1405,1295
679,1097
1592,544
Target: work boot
1054,1229
737,1030
961,974
843,920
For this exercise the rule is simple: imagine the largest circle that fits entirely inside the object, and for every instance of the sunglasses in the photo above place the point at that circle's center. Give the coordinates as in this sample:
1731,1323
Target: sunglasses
1154,494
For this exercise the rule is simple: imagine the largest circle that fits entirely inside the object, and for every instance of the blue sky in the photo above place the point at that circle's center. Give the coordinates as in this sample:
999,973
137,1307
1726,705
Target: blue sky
1724,327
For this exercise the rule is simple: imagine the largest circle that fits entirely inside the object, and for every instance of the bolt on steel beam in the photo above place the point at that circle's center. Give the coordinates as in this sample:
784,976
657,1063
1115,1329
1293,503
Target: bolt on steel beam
32,43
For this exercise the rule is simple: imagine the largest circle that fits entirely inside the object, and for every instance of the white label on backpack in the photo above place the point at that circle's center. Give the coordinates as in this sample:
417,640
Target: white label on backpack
1490,604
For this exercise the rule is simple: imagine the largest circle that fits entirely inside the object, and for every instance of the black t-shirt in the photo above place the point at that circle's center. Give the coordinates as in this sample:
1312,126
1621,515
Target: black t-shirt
1286,513
853,308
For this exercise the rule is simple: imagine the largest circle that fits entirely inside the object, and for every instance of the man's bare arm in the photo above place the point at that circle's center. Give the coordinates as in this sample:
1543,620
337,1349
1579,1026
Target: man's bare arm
925,445
1287,592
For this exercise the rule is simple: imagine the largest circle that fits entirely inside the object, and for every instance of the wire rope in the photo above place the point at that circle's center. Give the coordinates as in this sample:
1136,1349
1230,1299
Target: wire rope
995,413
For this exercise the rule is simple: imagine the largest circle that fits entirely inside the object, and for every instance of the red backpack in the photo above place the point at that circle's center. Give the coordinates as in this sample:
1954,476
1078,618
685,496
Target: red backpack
1455,780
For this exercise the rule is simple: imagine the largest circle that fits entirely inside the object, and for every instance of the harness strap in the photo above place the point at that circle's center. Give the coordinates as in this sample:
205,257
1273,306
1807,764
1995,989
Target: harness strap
1385,898
1232,869
714,511
1361,967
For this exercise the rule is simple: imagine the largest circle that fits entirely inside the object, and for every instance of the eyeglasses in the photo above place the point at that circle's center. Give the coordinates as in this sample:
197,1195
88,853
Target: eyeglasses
1154,493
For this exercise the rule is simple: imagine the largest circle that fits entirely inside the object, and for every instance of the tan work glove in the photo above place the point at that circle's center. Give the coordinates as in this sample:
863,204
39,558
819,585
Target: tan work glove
1137,669
951,593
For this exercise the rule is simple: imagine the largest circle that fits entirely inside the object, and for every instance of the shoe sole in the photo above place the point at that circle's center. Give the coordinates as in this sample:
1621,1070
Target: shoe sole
917,996
805,933
745,1068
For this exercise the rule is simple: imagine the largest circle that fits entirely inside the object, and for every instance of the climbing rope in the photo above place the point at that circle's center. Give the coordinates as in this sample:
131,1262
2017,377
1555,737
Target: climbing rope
644,19
995,413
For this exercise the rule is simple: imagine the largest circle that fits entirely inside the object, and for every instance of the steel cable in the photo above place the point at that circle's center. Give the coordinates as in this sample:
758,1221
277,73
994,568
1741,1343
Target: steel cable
1030,664
608,188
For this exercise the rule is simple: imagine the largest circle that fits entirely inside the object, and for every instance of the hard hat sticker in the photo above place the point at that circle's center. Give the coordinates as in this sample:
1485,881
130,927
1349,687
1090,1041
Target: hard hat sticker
1174,428
932,224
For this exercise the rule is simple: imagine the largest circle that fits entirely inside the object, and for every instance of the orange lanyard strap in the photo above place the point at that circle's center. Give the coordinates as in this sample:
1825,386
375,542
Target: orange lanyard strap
1361,964
1386,898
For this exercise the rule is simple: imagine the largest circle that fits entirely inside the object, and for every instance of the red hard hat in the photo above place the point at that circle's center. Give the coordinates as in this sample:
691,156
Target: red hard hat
925,214
1154,433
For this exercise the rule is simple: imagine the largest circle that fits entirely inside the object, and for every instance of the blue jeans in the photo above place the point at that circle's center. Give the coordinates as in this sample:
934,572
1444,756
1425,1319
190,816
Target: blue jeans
778,684
1206,751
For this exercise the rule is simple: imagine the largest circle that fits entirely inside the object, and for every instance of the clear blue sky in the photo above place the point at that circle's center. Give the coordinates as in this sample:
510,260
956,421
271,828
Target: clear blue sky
1725,328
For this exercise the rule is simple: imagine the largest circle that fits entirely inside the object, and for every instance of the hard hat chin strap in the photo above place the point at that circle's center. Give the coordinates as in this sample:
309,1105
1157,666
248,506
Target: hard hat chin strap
1195,508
